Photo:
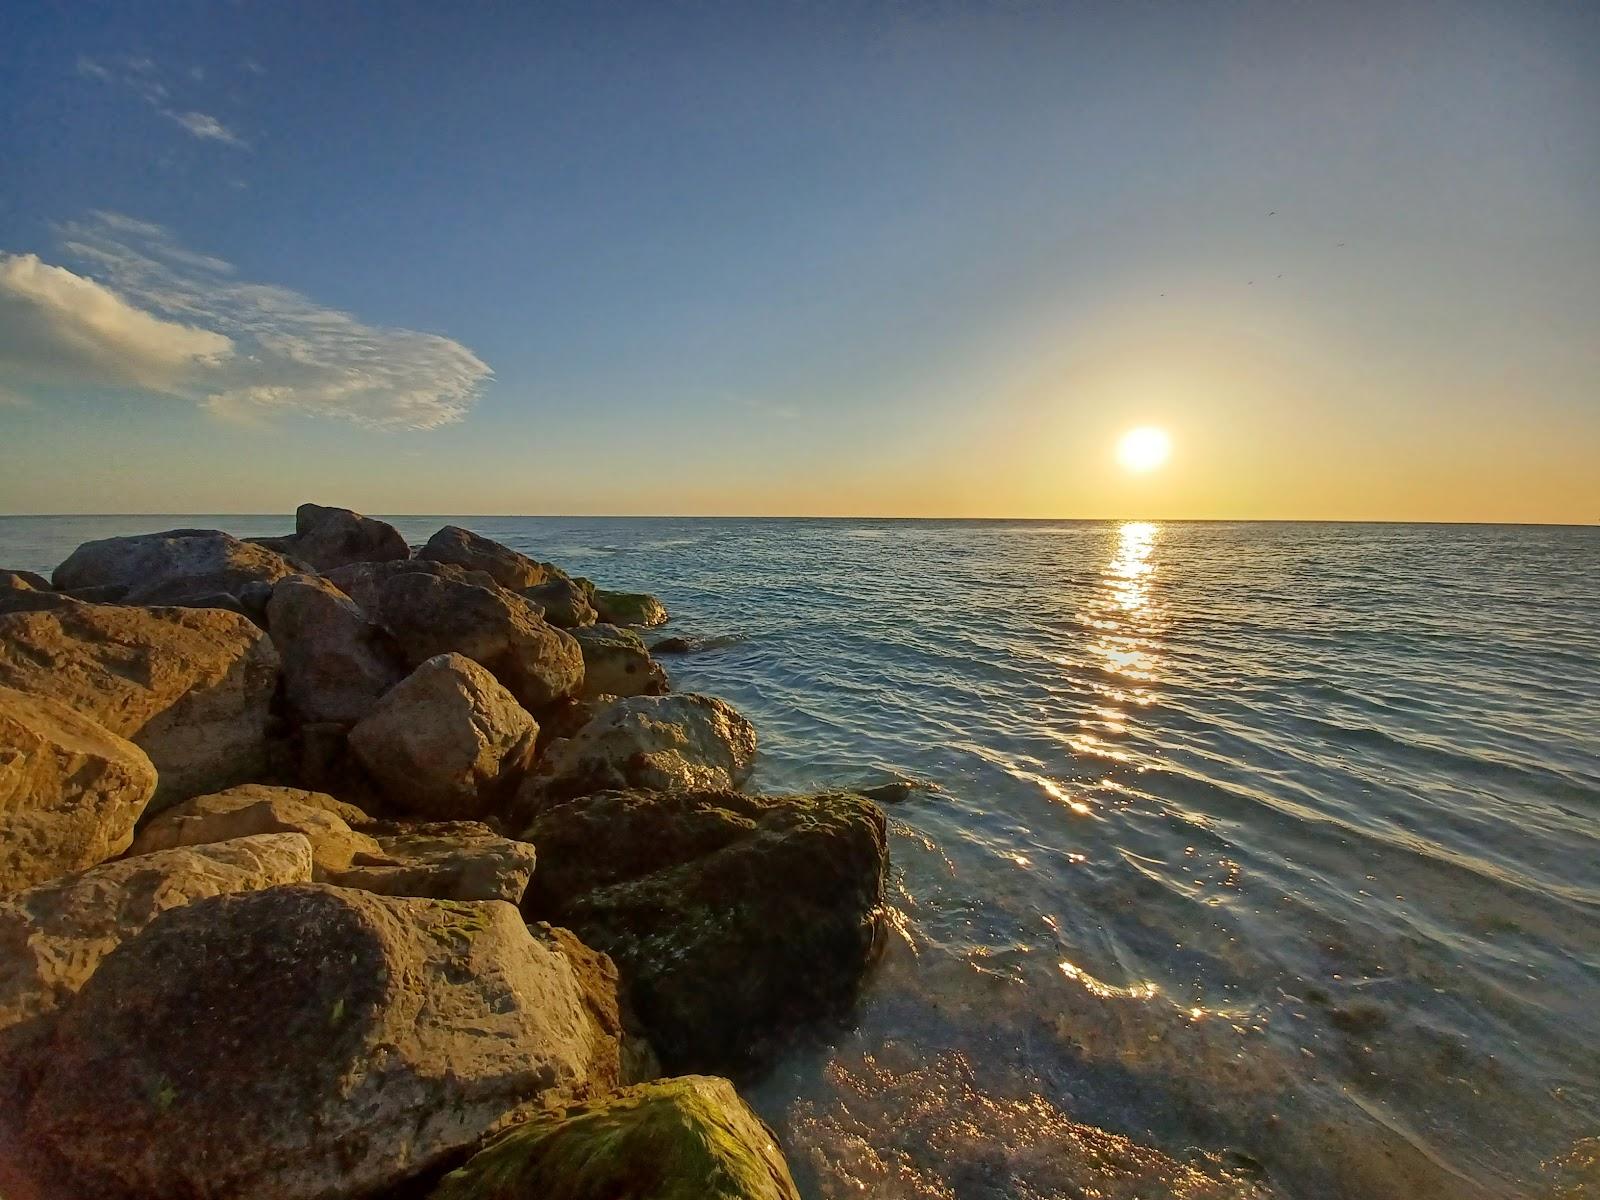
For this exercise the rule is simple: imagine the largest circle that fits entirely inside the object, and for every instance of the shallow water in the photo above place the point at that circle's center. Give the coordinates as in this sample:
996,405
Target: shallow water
1257,860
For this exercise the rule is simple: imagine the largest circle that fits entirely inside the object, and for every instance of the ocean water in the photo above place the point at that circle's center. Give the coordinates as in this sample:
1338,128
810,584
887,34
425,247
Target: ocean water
1251,860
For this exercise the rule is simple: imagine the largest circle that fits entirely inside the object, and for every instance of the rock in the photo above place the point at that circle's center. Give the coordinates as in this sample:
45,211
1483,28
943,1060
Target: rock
448,860
70,790
326,538
27,599
496,628
615,663
336,663
311,1042
629,608
31,580
565,604
52,937
363,582
896,790
176,566
689,1138
730,917
254,808
672,645
192,688
655,742
452,544
447,740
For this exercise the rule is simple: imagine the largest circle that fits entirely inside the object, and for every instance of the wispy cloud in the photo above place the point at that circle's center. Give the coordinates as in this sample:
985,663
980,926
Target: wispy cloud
150,313
142,77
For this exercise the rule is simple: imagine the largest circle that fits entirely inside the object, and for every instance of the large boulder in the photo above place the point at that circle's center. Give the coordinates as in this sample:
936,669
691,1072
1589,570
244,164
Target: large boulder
254,808
325,538
509,569
447,741
690,1137
363,582
615,663
430,614
448,860
312,1042
656,742
70,790
336,663
192,688
563,602
730,917
53,937
628,608
178,566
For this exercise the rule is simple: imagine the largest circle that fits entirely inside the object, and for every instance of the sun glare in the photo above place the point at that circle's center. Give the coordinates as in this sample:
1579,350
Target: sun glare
1144,449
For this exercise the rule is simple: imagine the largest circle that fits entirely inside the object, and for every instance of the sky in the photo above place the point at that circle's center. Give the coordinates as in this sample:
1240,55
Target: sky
855,259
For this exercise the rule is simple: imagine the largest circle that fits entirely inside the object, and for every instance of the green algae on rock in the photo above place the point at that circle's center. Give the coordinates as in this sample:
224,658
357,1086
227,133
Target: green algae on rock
689,1138
629,608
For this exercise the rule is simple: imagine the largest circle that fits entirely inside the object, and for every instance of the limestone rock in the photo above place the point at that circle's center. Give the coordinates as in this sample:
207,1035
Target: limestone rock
731,917
657,742
564,603
689,1138
615,663
363,582
447,860
336,663
326,538
496,628
446,740
53,937
172,567
311,1042
509,569
192,688
24,579
629,608
255,808
70,790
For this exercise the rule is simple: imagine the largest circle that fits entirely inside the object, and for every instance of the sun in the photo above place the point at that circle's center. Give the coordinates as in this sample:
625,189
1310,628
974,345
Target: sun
1144,449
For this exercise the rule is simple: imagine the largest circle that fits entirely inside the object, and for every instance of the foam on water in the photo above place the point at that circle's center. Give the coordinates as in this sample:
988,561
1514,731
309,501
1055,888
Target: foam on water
1250,860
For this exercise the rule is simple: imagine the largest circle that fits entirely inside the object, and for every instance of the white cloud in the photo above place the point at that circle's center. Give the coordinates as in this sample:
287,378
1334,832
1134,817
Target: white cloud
163,318
205,127
142,77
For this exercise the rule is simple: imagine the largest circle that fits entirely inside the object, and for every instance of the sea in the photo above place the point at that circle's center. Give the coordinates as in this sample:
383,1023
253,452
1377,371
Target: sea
1233,860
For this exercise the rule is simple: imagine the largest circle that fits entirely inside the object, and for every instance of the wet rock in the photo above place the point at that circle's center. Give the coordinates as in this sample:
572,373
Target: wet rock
429,615
70,790
615,663
658,742
178,566
448,740
256,808
629,608
311,1041
192,688
731,917
336,663
691,1138
53,937
326,538
896,790
564,603
363,582
505,566
672,645
447,860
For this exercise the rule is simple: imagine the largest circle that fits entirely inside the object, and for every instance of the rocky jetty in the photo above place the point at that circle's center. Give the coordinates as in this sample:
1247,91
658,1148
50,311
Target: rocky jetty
329,869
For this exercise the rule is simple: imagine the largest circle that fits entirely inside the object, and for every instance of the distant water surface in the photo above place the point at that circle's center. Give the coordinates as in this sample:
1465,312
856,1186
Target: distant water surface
1257,860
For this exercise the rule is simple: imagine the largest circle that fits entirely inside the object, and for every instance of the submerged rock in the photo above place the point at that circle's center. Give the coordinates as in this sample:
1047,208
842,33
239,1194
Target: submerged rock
336,663
70,790
447,740
255,808
731,917
615,663
310,1041
429,615
447,860
192,688
180,566
659,742
629,608
505,566
326,538
53,937
690,1138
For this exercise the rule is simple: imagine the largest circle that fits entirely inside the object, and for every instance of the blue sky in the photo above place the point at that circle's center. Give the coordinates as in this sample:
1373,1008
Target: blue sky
801,258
